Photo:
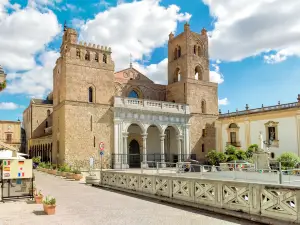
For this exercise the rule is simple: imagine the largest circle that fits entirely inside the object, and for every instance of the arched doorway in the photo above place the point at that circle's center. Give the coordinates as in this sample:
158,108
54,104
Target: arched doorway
134,154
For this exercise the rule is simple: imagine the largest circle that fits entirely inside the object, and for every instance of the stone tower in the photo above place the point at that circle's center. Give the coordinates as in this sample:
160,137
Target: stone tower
83,90
188,82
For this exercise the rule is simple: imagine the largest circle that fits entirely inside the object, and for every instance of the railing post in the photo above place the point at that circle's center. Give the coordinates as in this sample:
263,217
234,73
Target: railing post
201,170
157,168
280,173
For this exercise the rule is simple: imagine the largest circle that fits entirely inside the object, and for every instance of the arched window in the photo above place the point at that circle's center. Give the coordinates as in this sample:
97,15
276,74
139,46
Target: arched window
203,106
203,148
198,73
48,112
46,124
233,125
199,50
175,53
177,75
97,57
104,58
78,53
179,51
195,50
87,56
90,94
133,94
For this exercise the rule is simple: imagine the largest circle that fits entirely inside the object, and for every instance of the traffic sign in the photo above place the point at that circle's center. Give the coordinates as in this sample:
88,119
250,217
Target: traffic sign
101,153
101,146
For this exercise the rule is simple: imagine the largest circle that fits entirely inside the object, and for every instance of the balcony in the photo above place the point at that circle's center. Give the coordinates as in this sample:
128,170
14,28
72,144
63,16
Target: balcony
150,105
235,144
48,130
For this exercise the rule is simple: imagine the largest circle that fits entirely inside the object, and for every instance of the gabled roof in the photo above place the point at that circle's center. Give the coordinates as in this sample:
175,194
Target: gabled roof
125,74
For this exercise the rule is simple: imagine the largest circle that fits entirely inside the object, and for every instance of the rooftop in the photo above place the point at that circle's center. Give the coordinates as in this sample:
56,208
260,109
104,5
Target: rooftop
41,101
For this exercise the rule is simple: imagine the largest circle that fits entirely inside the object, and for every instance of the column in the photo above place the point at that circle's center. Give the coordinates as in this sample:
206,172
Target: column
117,155
247,134
179,147
187,141
162,149
219,144
145,164
125,151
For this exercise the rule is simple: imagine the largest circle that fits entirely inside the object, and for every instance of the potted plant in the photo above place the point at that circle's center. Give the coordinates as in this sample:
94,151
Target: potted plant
58,171
49,205
53,169
69,174
63,169
77,174
36,161
38,197
41,166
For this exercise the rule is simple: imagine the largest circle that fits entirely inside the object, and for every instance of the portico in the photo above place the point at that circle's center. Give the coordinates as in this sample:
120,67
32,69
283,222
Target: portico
149,131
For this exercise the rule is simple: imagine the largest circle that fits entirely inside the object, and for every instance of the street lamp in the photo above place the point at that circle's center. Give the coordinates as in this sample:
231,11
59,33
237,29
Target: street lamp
268,144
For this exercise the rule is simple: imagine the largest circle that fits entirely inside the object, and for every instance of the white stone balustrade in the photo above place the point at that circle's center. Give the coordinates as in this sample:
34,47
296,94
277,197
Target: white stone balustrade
150,105
268,203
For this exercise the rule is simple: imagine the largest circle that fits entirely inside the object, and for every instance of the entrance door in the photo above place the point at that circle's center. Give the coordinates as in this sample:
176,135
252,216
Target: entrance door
134,154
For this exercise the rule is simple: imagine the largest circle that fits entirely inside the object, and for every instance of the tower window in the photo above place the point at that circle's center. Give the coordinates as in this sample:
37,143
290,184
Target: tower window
203,133
91,120
90,94
203,106
48,112
203,148
179,51
195,50
177,75
78,53
198,73
133,94
87,56
94,141
104,58
97,57
175,53
199,51
46,124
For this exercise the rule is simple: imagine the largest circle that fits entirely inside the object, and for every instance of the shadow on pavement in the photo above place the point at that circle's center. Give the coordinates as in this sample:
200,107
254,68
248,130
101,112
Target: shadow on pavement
39,213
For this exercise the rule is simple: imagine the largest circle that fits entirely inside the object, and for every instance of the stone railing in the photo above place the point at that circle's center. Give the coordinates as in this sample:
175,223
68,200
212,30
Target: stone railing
266,203
150,105
262,109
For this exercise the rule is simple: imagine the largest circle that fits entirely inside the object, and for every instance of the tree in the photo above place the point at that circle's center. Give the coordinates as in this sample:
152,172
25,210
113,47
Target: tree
251,149
288,160
230,150
215,158
241,155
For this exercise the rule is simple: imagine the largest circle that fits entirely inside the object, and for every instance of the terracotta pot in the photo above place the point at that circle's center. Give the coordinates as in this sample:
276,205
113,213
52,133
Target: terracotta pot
77,176
53,172
69,175
58,173
38,199
63,174
49,209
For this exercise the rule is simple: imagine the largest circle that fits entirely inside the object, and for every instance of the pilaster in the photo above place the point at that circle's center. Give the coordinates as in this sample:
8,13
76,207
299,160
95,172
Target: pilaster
219,140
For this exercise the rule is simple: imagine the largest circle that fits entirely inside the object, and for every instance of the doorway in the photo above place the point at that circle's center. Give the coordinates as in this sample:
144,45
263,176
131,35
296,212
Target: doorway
134,154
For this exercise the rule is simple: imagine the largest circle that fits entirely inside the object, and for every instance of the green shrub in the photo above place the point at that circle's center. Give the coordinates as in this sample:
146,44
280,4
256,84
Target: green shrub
288,160
215,158
49,201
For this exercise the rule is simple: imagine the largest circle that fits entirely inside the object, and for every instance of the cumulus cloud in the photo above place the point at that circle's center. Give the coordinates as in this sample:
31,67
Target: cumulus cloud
137,33
250,28
23,34
9,106
215,74
223,101
36,82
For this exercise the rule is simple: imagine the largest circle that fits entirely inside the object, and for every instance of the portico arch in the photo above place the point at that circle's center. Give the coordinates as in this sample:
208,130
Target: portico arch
132,142
173,144
153,143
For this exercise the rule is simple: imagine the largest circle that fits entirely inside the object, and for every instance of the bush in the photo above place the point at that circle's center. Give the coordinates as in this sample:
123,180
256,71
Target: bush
230,150
36,159
241,155
250,151
215,158
288,160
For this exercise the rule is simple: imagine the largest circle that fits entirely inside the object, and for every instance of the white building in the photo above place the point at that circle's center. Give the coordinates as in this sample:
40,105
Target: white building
279,124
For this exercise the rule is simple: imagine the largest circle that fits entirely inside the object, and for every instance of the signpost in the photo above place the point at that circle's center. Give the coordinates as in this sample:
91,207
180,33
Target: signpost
101,148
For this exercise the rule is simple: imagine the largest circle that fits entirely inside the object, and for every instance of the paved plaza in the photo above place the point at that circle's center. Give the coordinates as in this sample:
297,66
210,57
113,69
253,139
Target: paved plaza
78,203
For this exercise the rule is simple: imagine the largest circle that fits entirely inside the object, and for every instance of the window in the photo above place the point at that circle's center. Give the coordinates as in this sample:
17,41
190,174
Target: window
48,112
46,124
97,57
177,75
90,94
87,56
91,120
233,137
175,53
195,49
203,106
8,138
272,155
203,132
203,149
198,73
271,131
104,58
133,94
78,53
179,51
94,141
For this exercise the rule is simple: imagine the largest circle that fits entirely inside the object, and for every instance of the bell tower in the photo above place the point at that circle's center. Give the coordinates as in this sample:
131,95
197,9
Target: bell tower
188,83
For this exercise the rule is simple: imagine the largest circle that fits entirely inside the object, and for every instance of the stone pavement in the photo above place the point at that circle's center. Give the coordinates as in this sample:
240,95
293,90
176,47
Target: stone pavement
79,204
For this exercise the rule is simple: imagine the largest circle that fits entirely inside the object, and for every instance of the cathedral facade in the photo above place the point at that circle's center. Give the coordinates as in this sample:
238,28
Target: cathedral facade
134,120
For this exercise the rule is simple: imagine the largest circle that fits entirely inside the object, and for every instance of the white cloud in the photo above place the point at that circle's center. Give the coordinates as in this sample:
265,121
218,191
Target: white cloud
9,106
215,75
137,28
248,28
23,34
223,101
36,82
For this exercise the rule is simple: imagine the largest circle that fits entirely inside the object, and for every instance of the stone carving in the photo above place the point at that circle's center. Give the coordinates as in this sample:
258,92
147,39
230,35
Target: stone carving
162,187
204,191
236,195
180,188
133,182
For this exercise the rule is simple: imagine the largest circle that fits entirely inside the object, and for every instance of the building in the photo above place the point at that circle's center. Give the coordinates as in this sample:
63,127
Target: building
10,134
279,124
2,79
135,119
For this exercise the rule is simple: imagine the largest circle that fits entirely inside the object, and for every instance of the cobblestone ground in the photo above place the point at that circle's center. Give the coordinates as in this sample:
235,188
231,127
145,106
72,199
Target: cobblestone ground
78,203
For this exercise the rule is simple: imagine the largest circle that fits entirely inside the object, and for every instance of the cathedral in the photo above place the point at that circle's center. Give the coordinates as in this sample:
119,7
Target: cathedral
132,120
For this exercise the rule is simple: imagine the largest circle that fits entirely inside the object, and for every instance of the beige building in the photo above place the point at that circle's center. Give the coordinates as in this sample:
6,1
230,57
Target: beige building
10,134
279,125
136,120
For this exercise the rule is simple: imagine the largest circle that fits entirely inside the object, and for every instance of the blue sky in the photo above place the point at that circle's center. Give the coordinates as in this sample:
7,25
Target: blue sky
254,52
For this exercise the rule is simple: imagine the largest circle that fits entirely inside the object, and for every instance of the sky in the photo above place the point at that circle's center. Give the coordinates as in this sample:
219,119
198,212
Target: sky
254,46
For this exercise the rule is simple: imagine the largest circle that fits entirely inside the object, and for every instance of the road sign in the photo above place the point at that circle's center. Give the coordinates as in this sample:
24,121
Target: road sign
101,153
101,146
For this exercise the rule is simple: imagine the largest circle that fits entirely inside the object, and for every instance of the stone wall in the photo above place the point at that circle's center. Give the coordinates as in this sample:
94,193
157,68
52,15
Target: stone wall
40,118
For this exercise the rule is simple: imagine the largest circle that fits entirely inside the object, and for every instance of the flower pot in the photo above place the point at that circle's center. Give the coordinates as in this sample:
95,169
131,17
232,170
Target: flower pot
49,209
38,199
69,176
53,172
77,177
58,173
63,174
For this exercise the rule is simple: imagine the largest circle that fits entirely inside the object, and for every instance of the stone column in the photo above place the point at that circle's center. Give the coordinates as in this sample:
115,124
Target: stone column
187,140
125,151
219,144
145,164
117,156
179,147
162,149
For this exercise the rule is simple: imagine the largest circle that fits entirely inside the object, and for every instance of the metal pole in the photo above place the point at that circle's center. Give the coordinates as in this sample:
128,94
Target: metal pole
101,169
280,173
